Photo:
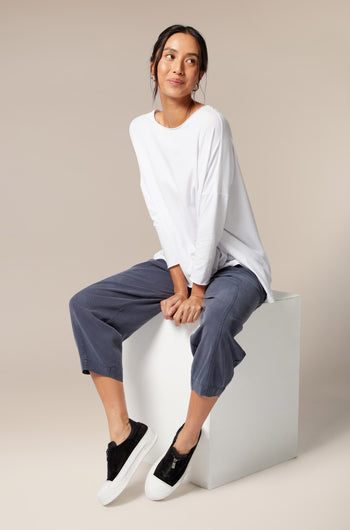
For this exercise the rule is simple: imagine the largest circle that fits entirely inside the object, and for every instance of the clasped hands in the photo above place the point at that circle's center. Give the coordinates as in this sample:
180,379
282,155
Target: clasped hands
182,309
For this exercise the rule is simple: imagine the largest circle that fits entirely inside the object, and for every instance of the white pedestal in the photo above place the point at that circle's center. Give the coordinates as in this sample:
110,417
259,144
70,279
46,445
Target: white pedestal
254,423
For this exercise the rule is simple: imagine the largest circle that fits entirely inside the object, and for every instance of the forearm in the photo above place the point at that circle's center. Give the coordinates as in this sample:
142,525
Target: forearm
180,283
179,280
198,290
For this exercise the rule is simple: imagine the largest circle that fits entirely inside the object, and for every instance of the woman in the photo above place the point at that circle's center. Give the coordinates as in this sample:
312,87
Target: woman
211,266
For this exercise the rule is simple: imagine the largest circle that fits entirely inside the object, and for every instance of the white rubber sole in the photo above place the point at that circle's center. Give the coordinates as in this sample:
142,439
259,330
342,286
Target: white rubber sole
110,489
156,489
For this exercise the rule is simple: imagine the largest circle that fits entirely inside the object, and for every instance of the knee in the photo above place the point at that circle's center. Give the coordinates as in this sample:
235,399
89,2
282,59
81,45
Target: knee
227,325
79,300
233,326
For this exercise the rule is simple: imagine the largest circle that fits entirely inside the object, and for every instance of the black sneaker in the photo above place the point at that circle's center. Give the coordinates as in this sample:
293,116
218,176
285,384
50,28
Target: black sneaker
168,472
123,460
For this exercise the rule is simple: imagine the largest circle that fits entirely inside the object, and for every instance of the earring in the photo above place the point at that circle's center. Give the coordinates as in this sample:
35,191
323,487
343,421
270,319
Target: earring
153,77
196,87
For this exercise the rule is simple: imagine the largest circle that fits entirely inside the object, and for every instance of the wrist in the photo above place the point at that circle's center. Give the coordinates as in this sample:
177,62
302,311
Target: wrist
179,280
198,290
182,292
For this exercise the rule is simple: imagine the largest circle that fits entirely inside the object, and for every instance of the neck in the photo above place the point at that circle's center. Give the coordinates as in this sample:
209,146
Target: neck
174,113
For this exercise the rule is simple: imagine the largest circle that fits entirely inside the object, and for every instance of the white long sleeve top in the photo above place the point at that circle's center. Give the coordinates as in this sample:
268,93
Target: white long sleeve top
194,192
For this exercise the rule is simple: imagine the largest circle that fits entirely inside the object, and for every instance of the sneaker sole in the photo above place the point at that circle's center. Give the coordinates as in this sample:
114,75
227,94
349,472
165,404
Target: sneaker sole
111,489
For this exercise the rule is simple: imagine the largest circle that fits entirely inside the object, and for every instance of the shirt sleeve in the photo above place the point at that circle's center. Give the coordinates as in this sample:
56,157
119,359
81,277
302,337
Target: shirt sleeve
218,173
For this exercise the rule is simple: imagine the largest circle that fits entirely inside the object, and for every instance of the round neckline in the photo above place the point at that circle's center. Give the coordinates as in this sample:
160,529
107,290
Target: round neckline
181,124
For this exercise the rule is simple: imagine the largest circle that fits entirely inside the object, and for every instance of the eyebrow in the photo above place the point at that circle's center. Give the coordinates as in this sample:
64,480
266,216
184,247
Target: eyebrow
189,53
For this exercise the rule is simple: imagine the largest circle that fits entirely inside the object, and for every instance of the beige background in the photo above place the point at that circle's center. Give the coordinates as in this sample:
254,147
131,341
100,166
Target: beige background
73,75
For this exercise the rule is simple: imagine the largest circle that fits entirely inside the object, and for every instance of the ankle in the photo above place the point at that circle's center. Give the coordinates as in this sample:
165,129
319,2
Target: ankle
185,441
120,432
189,435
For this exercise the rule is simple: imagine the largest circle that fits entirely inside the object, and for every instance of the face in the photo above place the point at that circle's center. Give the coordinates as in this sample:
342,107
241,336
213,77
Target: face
179,62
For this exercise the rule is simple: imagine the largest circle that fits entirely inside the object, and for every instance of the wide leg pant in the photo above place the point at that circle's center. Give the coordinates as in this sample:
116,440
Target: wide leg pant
107,312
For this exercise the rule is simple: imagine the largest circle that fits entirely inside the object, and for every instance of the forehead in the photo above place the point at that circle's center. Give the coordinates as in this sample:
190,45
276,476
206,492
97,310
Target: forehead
182,42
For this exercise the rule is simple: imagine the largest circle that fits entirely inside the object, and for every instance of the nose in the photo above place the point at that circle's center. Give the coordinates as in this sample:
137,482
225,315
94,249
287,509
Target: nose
177,67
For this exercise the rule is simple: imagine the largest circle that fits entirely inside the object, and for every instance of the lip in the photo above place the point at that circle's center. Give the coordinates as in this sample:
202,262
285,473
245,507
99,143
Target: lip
175,81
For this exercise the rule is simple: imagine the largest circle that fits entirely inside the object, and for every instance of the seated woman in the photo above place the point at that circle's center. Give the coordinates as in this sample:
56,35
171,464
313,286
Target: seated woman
211,265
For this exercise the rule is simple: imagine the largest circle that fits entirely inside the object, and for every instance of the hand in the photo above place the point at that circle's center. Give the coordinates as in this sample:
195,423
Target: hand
189,310
170,305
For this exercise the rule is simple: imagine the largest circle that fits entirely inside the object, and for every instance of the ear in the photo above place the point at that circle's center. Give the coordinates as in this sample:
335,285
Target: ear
201,75
151,67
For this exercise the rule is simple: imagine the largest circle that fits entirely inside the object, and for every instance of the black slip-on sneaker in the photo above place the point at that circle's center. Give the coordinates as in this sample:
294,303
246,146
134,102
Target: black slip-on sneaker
168,472
123,460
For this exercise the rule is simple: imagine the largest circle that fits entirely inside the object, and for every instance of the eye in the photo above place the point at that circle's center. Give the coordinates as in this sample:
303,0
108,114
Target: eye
172,55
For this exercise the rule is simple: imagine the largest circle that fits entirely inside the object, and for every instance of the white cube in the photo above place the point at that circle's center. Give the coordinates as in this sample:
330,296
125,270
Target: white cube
254,423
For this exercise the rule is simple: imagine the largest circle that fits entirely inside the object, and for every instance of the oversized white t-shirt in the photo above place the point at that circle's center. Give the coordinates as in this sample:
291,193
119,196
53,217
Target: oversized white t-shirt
194,191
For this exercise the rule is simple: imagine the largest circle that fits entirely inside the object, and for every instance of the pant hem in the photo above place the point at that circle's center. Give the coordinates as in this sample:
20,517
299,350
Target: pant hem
208,391
111,371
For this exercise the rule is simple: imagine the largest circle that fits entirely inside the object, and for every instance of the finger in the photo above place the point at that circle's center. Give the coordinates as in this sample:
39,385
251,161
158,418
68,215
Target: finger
193,315
186,316
172,310
196,316
177,317
169,311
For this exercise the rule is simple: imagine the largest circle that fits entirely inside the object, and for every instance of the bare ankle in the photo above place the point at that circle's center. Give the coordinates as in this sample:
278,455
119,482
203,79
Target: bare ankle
120,432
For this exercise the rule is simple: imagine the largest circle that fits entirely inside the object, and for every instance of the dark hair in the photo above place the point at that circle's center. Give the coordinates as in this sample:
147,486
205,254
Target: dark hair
163,37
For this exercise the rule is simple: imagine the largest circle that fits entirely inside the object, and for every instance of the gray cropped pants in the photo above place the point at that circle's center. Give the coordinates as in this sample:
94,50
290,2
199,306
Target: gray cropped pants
107,312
